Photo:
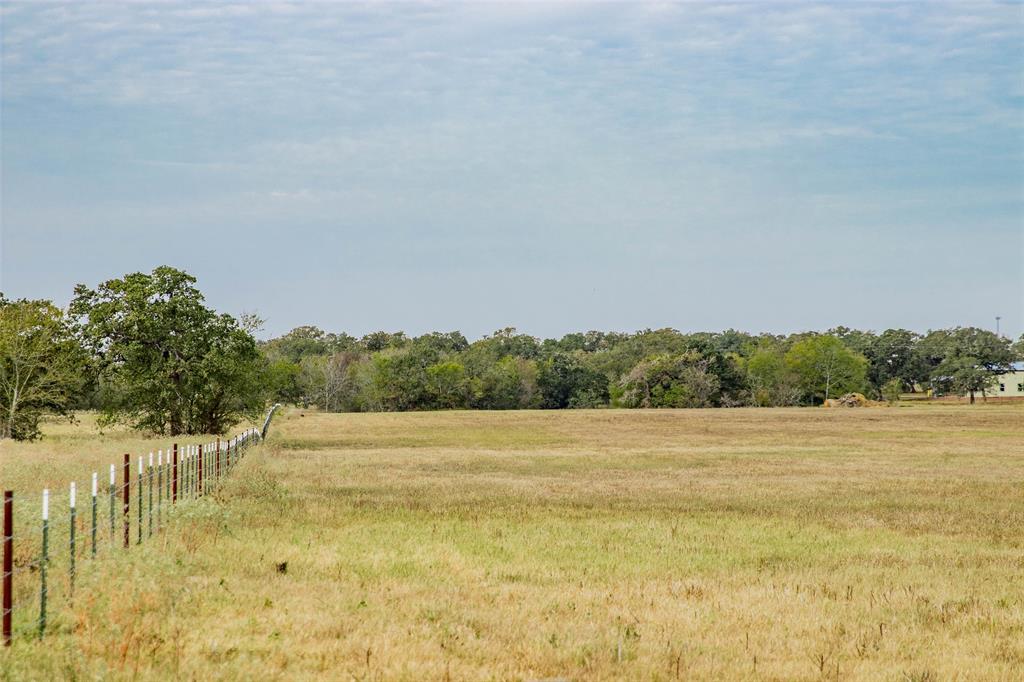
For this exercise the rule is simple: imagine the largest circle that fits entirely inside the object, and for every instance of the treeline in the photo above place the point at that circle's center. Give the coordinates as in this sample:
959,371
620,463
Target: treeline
390,371
145,350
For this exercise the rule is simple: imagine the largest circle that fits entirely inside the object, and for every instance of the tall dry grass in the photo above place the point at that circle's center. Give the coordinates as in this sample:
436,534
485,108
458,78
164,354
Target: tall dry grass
651,545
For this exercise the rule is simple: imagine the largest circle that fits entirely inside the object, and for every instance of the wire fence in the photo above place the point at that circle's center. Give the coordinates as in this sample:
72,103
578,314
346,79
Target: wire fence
49,540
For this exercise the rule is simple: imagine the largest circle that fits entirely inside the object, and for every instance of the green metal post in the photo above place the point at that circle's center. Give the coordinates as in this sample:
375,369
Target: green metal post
92,533
149,476
139,486
71,538
44,558
159,488
113,499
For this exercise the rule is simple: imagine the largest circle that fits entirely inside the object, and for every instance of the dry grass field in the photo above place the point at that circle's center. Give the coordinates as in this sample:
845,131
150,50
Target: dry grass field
786,544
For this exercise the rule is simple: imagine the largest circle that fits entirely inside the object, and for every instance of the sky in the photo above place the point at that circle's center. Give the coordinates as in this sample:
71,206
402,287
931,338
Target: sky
555,167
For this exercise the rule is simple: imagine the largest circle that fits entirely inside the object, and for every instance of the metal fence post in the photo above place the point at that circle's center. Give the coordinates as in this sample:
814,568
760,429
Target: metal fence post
113,503
139,486
92,531
8,564
159,488
199,491
71,539
44,558
149,477
174,475
125,499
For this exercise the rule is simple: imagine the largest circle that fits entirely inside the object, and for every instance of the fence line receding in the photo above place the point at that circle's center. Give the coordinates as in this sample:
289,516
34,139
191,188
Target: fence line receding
35,572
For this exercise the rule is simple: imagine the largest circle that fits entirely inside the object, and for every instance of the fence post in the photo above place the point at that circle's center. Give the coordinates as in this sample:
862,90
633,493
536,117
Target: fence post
71,538
174,475
113,503
92,533
149,477
44,558
125,499
159,488
8,563
139,486
199,484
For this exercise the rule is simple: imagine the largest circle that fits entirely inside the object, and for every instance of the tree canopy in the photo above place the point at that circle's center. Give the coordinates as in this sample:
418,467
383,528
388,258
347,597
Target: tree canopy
171,365
42,366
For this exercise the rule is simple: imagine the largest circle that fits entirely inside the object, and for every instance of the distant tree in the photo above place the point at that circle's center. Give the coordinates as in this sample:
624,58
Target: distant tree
41,366
283,380
825,367
508,384
893,356
972,359
665,380
305,341
508,342
441,343
772,382
378,341
448,385
174,366
891,391
565,380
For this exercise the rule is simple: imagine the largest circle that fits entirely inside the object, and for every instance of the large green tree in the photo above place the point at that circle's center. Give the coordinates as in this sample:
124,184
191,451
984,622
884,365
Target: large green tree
42,366
972,358
172,365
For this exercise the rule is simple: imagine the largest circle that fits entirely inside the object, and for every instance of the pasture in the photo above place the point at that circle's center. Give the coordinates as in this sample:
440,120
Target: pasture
775,544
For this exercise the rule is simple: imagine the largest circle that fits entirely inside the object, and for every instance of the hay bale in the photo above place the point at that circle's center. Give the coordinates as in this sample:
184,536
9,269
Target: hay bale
849,400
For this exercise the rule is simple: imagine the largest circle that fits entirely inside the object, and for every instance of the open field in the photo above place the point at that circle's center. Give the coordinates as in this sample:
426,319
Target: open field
776,544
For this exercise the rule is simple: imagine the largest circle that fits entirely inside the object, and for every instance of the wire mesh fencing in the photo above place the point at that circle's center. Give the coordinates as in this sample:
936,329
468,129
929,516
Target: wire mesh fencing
51,537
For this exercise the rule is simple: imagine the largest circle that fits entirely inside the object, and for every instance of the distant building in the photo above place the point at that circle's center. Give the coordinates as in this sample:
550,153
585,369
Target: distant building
1011,384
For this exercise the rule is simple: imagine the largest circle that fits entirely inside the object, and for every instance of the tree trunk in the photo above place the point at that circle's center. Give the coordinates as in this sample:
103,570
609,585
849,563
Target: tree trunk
972,396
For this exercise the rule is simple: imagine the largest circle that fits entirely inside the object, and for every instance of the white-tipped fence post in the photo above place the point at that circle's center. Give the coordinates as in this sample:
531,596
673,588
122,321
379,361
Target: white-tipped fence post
92,529
139,486
159,488
149,483
44,558
113,503
71,541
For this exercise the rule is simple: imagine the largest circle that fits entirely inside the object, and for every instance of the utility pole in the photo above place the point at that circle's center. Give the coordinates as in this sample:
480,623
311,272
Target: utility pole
998,317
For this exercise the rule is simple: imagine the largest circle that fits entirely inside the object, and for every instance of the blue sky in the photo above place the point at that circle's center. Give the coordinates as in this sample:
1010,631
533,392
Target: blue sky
555,167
